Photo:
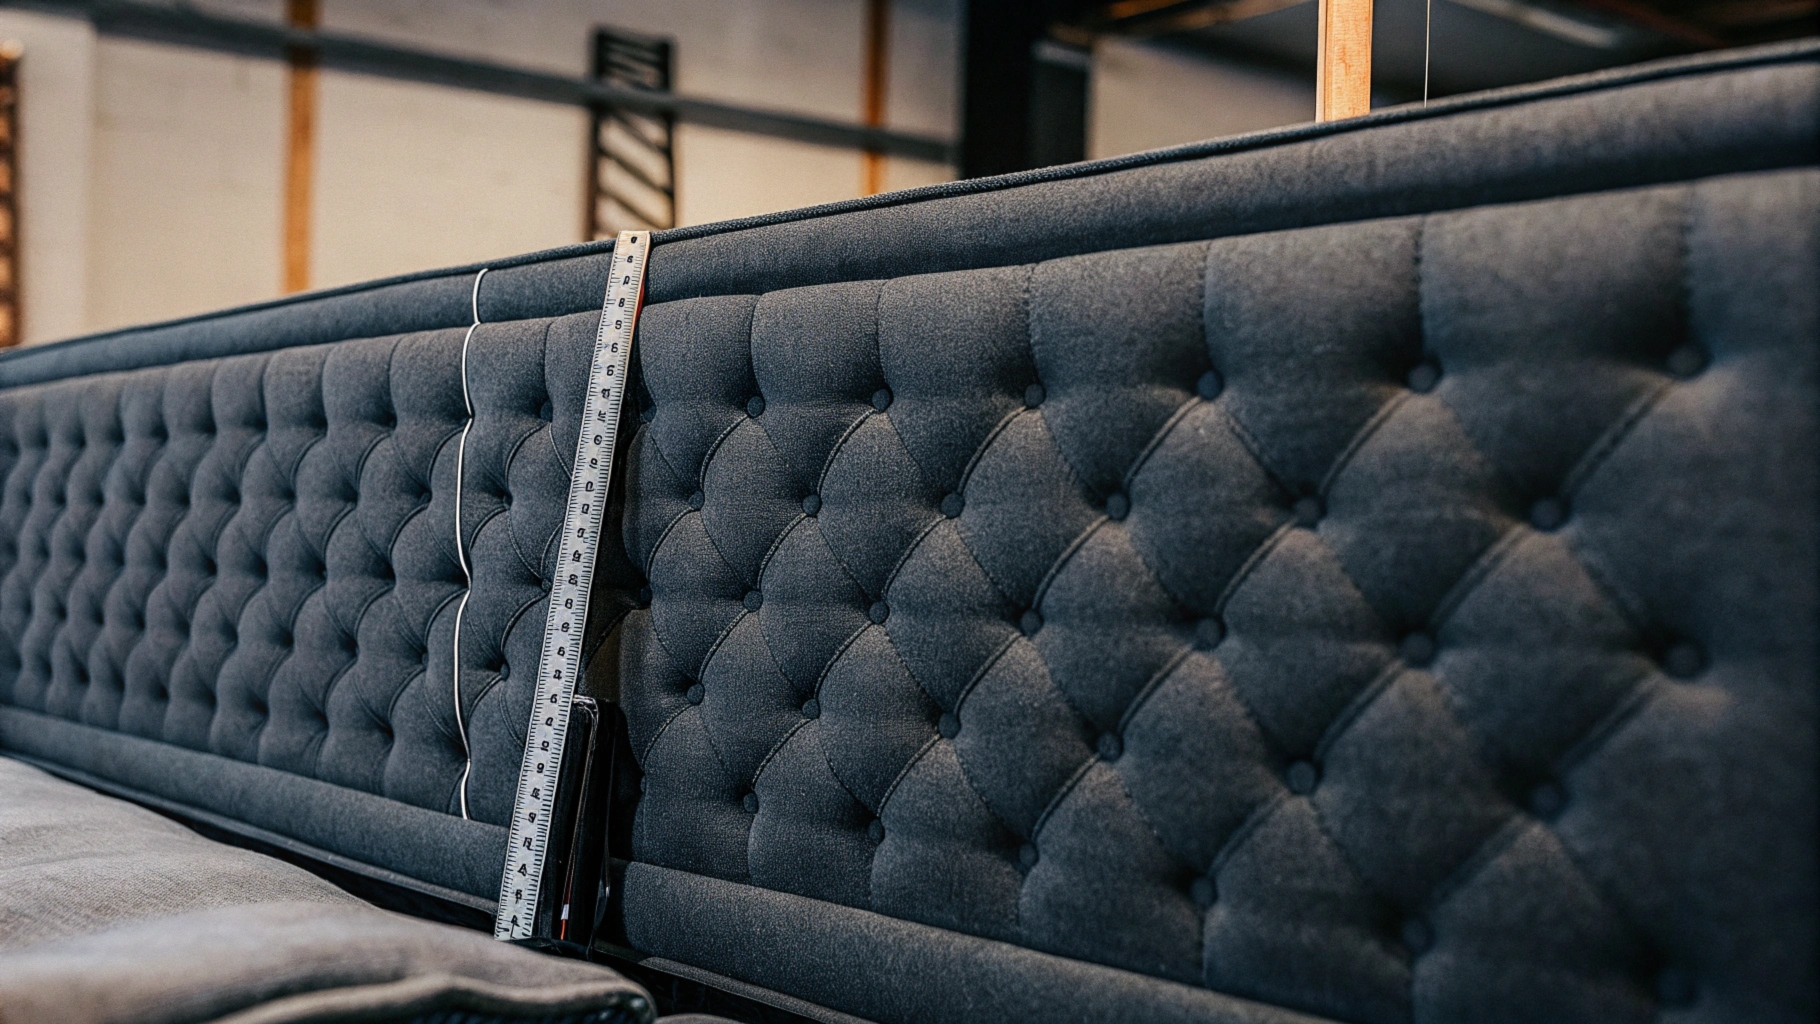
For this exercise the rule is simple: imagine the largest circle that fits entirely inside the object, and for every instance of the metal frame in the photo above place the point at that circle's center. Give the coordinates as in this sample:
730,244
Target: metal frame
632,155
186,26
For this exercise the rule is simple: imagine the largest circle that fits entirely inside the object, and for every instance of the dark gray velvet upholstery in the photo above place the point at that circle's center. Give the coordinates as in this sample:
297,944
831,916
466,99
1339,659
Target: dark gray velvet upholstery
1291,615
1357,573
255,557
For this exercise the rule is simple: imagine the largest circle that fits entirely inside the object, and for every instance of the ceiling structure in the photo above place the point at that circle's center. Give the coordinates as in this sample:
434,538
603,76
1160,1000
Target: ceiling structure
1473,44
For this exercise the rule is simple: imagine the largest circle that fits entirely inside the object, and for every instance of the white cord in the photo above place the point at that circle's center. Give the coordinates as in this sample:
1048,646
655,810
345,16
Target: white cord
1428,35
461,553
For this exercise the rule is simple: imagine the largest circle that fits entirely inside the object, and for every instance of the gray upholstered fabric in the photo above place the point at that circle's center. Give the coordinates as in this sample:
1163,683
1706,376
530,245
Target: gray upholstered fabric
1363,572
255,557
110,913
74,862
1291,615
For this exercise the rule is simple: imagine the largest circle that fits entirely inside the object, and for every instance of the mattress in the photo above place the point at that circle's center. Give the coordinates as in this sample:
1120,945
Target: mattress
1358,572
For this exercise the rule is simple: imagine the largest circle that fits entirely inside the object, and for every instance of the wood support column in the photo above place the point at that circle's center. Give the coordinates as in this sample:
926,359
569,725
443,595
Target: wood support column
1343,65
300,148
877,72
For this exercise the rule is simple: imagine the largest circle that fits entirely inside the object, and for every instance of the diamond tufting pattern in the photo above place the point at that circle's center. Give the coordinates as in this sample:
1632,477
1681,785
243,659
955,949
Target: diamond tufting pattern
1360,574
255,556
1383,620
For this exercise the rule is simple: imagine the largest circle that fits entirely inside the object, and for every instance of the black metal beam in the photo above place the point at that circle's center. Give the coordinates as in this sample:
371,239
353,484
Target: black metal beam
185,26
1019,112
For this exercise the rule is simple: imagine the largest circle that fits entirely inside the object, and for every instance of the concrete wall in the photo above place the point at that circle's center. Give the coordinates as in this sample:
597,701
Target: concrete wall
154,174
1147,96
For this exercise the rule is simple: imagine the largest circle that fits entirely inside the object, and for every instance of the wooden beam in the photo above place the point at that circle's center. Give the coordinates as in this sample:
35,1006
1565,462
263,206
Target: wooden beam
878,54
1343,65
300,149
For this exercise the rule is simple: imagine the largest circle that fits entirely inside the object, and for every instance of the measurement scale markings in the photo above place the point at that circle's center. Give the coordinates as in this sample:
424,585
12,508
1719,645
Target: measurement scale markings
559,668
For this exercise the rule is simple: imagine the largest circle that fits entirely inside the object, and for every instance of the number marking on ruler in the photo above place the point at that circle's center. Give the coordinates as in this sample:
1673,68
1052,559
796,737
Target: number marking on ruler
560,666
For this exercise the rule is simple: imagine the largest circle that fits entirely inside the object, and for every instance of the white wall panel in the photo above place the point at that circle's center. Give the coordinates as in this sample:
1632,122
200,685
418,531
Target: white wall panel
1146,97
56,126
411,176
185,182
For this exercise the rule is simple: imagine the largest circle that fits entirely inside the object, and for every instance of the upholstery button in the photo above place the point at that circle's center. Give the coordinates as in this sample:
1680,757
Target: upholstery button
1675,987
1034,395
755,406
1417,649
644,597
543,585
504,670
876,831
1209,632
1683,660
1546,800
1547,514
1686,361
881,399
1202,892
812,504
505,498
948,725
1423,377
1209,386
694,694
750,803
387,420
952,505
647,414
812,708
753,600
1307,510
1302,777
695,501
878,613
547,411
1027,856
1110,747
1418,936
1118,507
1030,622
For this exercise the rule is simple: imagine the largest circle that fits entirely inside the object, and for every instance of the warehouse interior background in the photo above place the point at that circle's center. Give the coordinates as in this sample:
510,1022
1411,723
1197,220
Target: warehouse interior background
163,159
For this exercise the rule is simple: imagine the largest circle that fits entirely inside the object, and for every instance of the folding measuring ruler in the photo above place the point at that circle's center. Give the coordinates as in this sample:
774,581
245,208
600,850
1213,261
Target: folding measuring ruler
554,861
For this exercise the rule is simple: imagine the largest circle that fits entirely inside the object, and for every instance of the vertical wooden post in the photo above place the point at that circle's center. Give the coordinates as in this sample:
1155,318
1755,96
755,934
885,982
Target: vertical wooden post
1343,66
12,328
300,149
877,72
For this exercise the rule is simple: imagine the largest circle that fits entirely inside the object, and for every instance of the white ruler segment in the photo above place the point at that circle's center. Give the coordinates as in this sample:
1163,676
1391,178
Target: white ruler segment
560,666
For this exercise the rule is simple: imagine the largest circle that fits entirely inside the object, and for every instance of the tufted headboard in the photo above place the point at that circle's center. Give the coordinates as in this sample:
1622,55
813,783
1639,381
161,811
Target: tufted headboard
1364,572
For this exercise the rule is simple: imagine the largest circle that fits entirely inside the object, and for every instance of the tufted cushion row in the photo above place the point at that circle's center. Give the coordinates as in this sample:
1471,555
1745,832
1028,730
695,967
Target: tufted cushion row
1289,615
254,557
1362,574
